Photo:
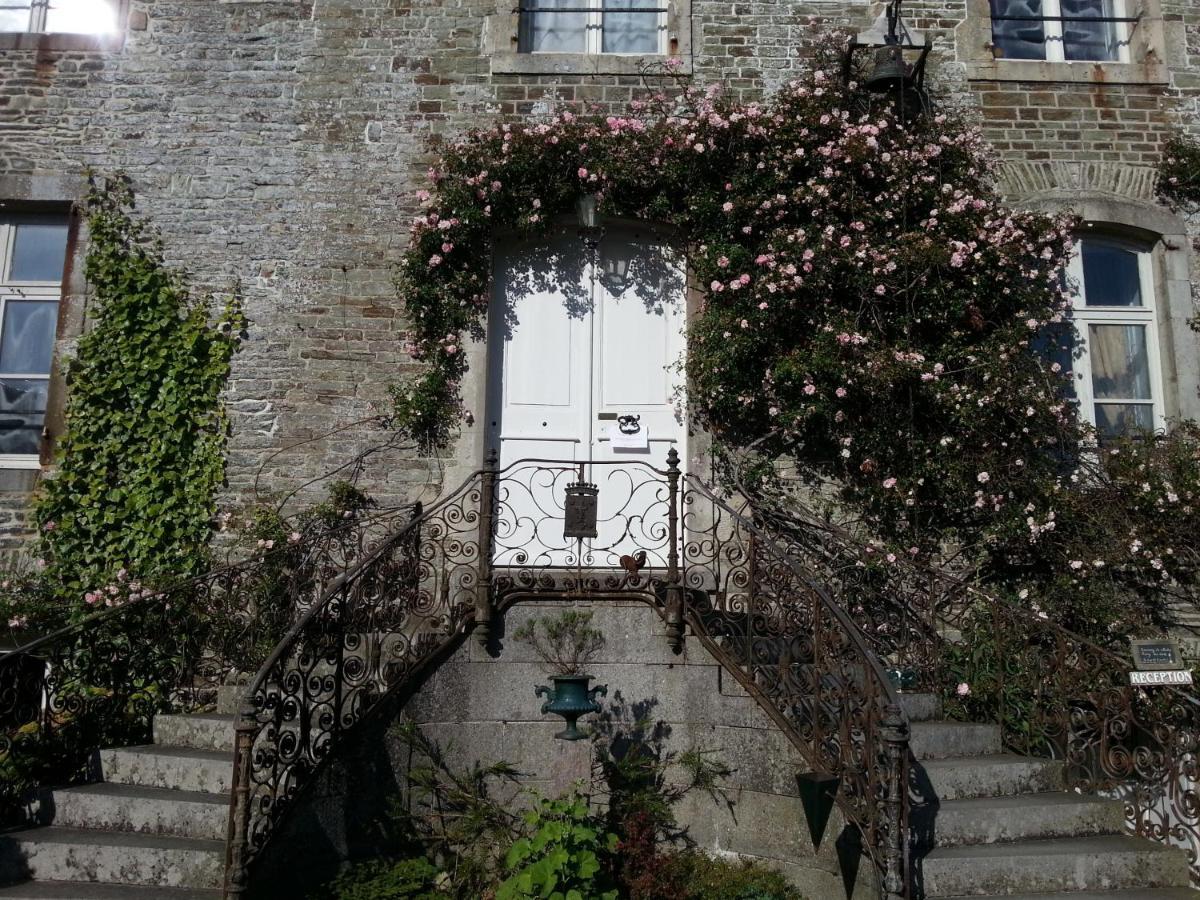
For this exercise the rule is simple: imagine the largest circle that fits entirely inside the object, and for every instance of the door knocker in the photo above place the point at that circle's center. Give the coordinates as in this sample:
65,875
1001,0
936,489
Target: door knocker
629,424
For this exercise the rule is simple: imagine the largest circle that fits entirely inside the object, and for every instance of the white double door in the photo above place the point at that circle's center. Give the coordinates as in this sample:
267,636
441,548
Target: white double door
584,366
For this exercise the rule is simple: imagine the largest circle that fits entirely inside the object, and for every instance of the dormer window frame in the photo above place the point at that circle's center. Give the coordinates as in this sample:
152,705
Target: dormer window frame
1055,19
1142,56
39,18
506,42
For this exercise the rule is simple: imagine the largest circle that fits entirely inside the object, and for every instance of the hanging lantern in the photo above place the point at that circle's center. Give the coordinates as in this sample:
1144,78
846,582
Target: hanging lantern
589,221
892,75
615,257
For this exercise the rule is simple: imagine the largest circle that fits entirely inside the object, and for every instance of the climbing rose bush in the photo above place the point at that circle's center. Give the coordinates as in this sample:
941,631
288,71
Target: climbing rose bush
870,304
871,312
1179,171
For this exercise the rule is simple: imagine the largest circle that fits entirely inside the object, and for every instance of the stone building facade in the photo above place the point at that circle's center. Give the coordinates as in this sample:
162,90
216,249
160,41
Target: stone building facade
278,145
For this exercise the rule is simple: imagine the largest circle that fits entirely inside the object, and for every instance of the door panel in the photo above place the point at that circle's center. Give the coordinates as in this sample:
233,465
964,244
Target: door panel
568,356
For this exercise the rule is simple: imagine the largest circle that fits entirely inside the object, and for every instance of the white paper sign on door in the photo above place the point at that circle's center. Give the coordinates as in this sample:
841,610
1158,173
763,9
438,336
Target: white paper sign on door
639,440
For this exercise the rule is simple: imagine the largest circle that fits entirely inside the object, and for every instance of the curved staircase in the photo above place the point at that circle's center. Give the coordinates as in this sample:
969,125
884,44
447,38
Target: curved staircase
1001,825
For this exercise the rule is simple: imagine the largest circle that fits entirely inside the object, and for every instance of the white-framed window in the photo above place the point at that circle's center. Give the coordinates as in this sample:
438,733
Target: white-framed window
59,16
33,249
1062,30
593,26
1112,348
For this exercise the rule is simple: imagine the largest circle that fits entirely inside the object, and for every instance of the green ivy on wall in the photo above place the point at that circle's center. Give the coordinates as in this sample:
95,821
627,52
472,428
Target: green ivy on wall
134,491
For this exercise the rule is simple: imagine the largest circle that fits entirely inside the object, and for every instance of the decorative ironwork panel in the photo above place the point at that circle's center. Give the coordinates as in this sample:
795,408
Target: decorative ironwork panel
531,551
807,663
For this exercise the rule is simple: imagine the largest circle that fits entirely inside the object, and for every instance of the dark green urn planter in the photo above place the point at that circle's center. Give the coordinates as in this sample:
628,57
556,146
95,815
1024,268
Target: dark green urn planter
902,678
570,698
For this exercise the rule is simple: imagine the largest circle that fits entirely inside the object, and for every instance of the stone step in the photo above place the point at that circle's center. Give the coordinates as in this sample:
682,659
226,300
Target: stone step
148,810
199,732
920,707
944,740
1134,894
174,768
68,854
1064,864
990,820
1001,775
82,890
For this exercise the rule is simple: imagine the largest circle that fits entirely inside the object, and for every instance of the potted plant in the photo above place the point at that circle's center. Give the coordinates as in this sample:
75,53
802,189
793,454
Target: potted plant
566,643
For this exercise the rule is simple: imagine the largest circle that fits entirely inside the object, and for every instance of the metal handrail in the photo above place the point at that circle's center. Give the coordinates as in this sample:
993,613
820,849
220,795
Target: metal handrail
890,721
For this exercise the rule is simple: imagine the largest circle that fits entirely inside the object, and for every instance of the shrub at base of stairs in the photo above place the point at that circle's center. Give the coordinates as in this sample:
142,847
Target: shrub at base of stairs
686,875
405,879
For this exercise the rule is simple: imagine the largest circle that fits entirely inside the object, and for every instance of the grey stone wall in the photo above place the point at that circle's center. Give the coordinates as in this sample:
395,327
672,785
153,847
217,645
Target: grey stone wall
277,144
479,706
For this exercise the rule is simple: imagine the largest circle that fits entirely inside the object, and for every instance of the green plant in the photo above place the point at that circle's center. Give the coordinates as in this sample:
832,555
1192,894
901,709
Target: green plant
697,876
404,879
846,330
564,856
294,555
1179,171
133,493
28,603
566,642
455,814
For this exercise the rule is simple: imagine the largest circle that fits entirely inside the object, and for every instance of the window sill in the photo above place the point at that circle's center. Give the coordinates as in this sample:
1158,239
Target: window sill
14,461
509,63
1068,72
54,41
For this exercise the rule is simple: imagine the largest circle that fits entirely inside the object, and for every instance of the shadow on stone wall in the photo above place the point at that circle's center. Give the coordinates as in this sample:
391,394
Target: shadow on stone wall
479,706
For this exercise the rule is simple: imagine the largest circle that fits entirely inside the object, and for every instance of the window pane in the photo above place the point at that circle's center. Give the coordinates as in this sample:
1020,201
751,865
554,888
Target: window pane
14,15
39,251
27,337
22,412
81,16
1018,39
1089,40
1114,419
1110,275
555,32
1120,365
631,32
1058,346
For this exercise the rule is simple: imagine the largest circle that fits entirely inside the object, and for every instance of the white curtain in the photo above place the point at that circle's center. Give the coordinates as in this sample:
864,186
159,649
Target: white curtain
556,32
631,32
1096,41
1120,366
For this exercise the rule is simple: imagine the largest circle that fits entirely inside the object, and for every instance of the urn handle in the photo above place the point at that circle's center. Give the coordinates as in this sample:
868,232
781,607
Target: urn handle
601,689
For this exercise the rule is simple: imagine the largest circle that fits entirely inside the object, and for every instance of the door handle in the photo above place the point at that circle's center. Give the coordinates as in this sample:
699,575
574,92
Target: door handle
606,416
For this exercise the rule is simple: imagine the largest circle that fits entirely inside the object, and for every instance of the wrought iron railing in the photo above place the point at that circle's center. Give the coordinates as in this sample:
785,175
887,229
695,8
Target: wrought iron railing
369,631
1054,693
499,538
808,664
98,682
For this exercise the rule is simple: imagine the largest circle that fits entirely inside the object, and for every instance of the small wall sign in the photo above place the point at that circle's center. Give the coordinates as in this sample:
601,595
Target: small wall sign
1146,679
1156,655
1158,662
